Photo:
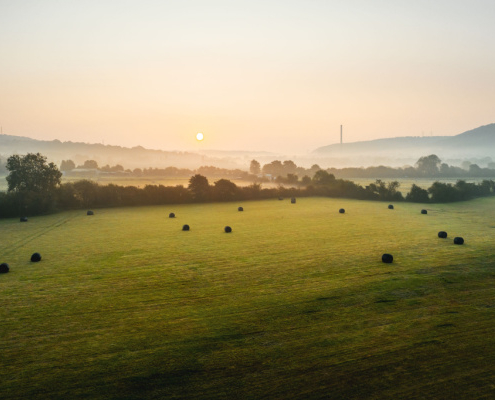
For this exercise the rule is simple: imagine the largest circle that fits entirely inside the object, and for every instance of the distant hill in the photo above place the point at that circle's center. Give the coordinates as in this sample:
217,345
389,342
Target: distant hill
135,157
474,143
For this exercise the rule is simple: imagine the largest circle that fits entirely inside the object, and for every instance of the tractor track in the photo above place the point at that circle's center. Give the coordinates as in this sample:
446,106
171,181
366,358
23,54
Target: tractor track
37,234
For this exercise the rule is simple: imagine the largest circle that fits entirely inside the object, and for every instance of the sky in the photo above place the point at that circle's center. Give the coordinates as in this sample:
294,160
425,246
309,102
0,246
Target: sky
277,76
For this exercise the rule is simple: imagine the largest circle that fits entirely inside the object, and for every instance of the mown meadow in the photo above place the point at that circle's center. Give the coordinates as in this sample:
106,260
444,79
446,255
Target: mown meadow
295,303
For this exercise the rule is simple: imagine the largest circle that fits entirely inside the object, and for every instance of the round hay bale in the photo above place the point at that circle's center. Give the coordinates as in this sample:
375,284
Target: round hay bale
442,234
390,206
280,198
4,268
458,240
240,209
90,212
36,257
387,258
293,200
228,229
171,215
342,211
24,219
185,228
424,212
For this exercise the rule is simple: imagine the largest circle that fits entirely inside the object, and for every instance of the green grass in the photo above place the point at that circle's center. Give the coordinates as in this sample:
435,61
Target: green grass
294,303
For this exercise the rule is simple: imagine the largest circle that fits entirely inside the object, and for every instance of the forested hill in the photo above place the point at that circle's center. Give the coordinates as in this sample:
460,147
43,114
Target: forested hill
476,142
134,157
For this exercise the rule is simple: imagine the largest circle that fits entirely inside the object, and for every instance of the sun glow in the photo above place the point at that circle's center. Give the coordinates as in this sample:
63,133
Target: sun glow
199,136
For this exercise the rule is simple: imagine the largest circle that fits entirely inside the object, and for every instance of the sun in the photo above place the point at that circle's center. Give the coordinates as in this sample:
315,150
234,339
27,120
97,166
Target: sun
199,136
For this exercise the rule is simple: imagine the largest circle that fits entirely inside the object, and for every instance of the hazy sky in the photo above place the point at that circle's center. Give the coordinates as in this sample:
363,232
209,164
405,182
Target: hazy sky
266,75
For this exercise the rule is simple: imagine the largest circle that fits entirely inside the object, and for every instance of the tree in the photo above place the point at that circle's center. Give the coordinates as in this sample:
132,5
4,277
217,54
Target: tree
475,170
417,195
428,165
199,187
225,190
443,192
306,180
255,167
322,177
67,165
292,179
33,182
289,167
32,173
314,168
275,168
90,164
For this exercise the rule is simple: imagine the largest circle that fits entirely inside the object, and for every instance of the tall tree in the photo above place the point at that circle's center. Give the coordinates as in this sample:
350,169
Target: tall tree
32,173
429,165
33,182
255,167
199,187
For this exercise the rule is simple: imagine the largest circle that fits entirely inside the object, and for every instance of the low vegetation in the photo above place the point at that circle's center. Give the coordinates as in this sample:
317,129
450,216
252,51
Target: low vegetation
35,188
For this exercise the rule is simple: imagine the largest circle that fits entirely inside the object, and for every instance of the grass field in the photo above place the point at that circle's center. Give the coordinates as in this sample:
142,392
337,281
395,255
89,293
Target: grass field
295,303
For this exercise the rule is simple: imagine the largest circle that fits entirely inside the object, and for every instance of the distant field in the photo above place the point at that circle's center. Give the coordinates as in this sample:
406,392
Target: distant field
295,303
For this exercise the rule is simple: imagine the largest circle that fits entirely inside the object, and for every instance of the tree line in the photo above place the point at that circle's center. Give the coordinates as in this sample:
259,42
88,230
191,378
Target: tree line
287,172
35,187
430,166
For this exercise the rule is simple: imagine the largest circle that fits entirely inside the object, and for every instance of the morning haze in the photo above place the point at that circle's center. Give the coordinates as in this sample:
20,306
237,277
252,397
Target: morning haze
266,76
247,200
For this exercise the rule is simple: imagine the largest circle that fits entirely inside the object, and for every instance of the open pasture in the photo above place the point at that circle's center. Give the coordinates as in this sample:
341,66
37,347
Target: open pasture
295,303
